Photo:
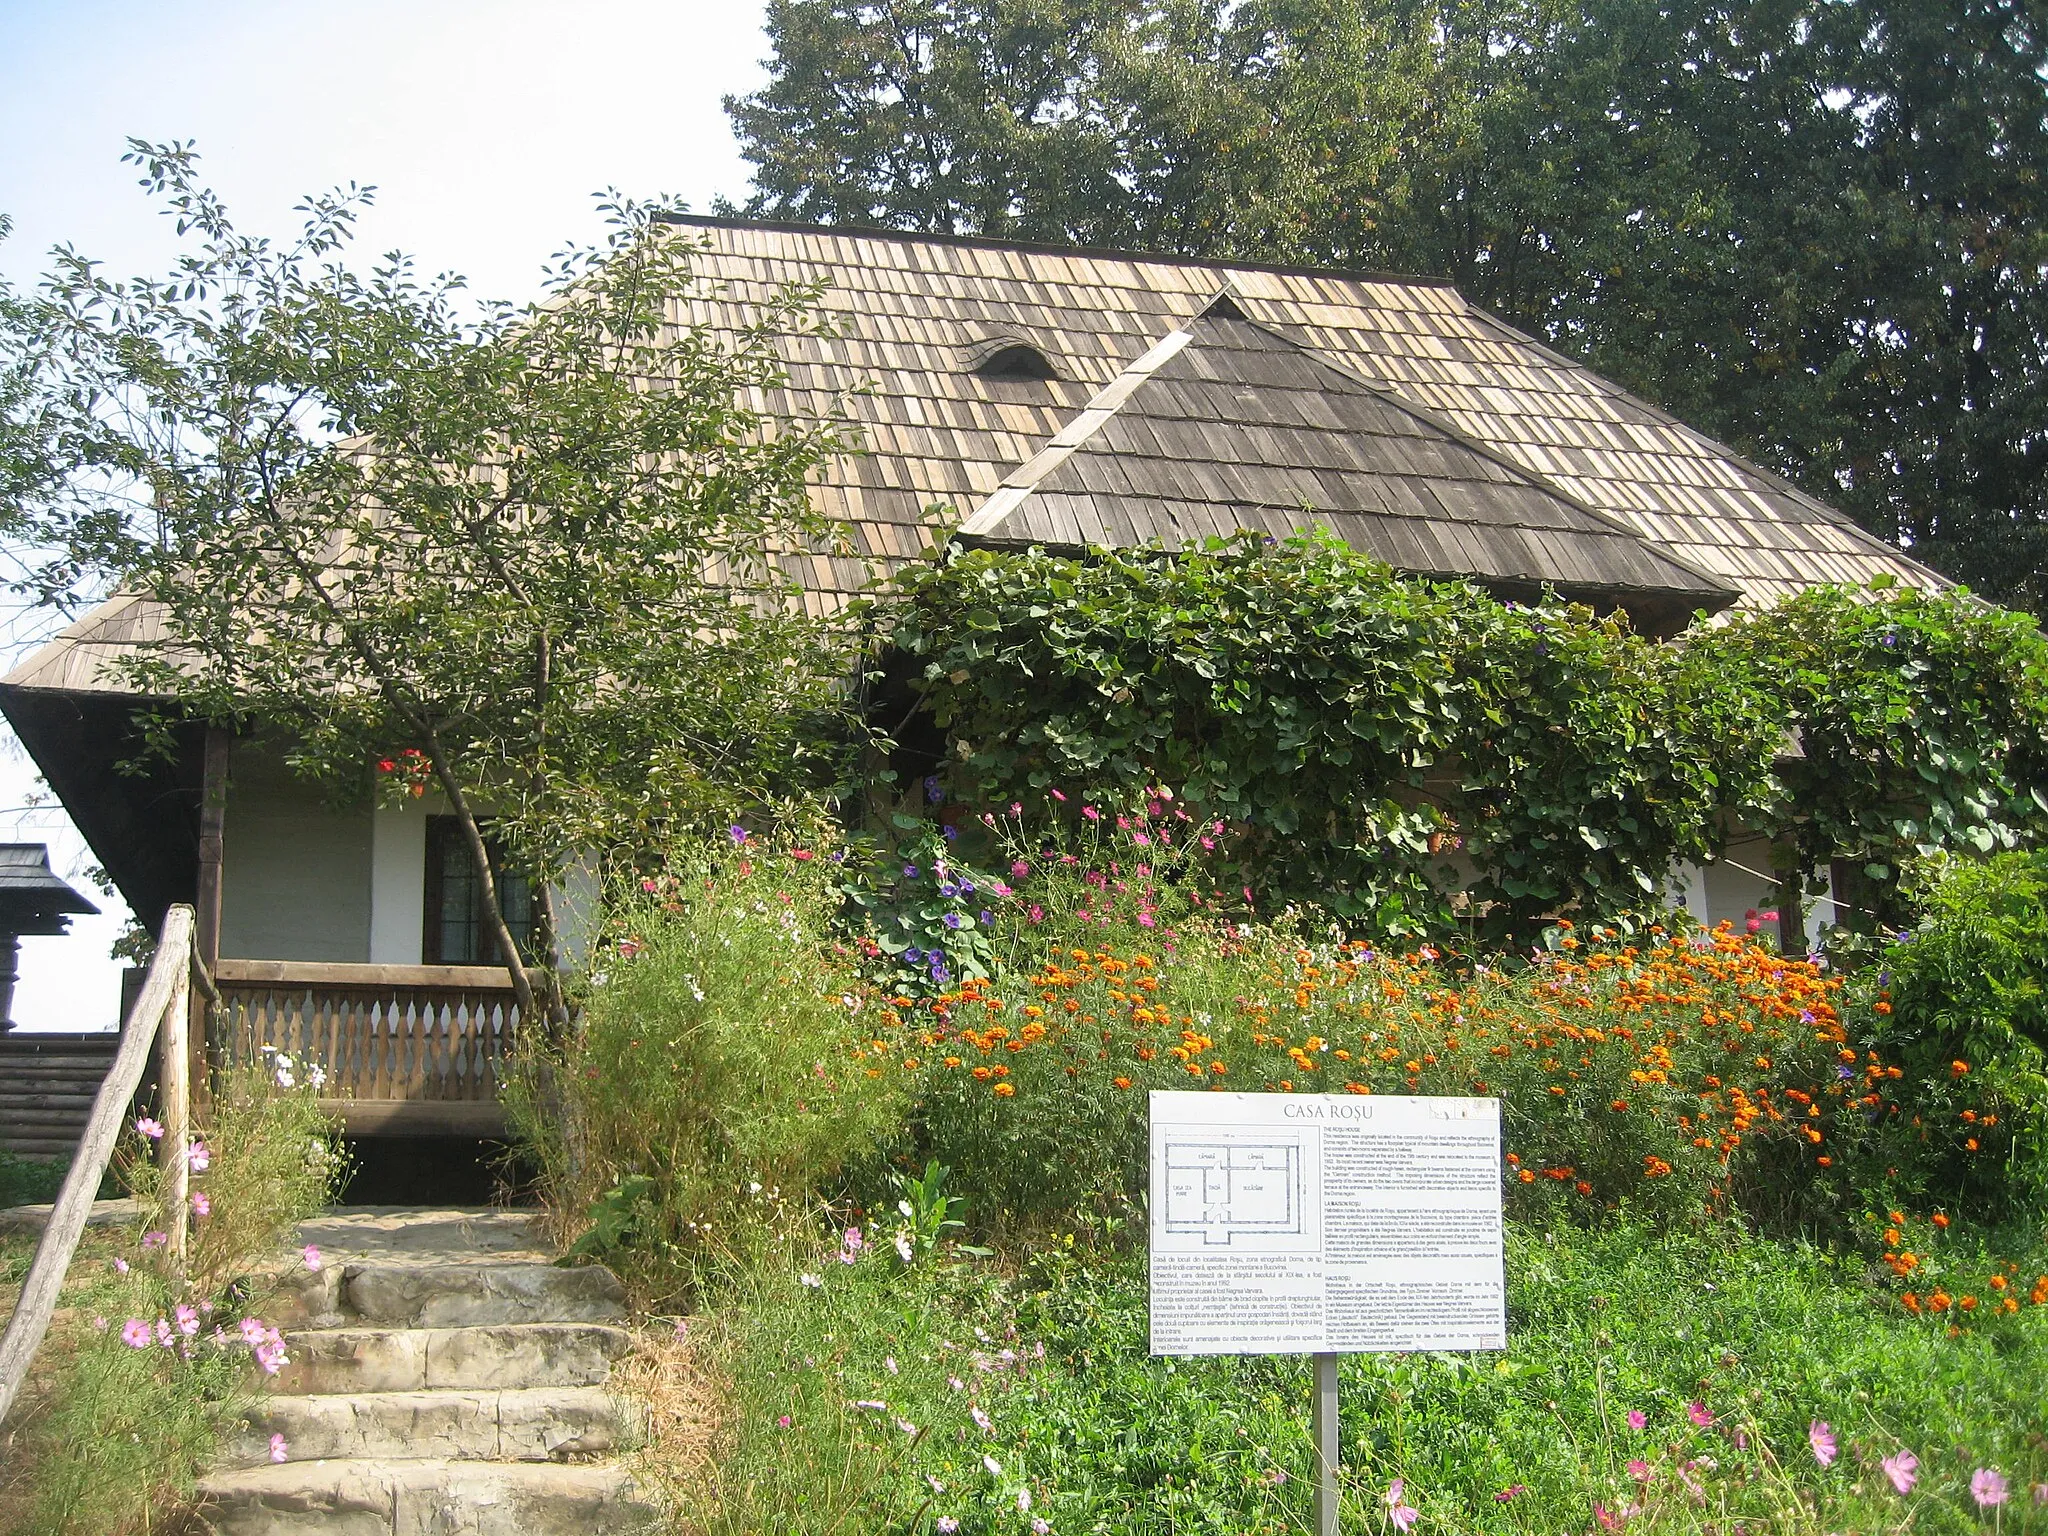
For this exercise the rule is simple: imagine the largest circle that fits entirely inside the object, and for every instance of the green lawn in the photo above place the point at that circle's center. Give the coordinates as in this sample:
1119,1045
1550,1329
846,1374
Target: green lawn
1104,1438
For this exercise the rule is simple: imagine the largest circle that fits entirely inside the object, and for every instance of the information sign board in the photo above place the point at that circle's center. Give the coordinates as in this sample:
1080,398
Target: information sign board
1288,1223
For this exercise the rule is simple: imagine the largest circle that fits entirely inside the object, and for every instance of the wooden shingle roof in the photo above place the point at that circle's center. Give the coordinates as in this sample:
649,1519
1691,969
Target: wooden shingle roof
916,311
1577,463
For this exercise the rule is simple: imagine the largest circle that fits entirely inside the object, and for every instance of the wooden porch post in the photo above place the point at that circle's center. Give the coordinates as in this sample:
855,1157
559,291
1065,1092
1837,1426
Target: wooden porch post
213,807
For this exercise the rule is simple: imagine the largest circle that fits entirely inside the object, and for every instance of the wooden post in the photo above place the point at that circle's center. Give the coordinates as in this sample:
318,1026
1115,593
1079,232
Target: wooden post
174,1151
213,809
1328,1444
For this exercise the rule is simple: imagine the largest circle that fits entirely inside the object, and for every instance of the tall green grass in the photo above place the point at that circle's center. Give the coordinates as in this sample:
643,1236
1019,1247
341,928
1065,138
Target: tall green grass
131,1419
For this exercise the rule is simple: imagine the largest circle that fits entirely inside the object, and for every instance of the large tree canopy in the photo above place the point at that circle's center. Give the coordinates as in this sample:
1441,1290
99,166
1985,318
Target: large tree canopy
1816,228
524,556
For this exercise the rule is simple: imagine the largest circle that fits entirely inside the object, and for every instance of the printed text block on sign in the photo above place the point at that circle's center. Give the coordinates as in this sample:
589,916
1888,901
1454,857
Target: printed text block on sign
1287,1223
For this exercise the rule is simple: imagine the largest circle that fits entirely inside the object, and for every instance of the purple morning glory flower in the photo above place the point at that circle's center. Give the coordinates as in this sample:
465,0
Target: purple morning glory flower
913,955
952,919
738,834
932,791
984,916
910,871
950,833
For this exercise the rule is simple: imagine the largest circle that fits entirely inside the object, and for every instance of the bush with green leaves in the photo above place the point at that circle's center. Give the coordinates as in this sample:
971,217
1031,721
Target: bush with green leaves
1965,1000
1922,723
1424,760
713,1072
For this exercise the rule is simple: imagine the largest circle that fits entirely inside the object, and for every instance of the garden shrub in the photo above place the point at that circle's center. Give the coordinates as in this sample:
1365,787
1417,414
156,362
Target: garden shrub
1424,760
1964,1011
712,1066
1922,722
1351,727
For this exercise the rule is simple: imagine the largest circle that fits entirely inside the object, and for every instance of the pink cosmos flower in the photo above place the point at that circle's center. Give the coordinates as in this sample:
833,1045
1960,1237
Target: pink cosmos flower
1613,1519
1400,1513
1697,1412
1903,1469
682,1330
100,1324
994,1467
1637,1419
153,1129
163,1333
1040,1528
982,1421
154,1240
311,1255
202,1204
1019,869
120,1266
1023,1501
1510,1493
1822,1439
278,1449
188,1320
1059,797
946,1524
135,1333
783,1422
1987,1487
1091,813
1639,1470
2041,1493
200,1157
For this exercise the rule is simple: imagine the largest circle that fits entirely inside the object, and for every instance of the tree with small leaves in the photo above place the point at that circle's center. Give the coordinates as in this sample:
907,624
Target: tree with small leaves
533,552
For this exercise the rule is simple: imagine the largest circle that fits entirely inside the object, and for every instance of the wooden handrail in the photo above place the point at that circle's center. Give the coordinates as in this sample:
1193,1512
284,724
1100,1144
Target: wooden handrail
163,995
332,973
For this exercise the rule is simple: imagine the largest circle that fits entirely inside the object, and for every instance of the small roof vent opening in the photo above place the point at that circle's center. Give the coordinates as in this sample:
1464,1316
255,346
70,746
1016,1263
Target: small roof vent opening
1016,360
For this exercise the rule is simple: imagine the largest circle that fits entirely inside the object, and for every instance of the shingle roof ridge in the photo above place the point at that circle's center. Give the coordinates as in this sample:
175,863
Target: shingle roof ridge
1606,386
1053,248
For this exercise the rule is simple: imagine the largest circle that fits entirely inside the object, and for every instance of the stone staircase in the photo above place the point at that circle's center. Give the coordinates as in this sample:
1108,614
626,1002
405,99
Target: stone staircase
445,1380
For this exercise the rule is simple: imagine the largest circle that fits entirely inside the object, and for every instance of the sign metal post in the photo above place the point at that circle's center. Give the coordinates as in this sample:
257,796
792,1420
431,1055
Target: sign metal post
1325,1224
1324,1425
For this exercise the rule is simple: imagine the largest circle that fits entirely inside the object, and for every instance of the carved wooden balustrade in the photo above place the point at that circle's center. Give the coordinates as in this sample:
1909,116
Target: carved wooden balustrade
412,1049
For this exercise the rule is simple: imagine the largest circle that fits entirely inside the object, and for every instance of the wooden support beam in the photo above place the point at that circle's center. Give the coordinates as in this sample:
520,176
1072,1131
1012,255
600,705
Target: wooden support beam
213,810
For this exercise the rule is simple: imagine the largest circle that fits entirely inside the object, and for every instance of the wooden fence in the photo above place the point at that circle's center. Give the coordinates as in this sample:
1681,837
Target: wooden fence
396,1048
48,1082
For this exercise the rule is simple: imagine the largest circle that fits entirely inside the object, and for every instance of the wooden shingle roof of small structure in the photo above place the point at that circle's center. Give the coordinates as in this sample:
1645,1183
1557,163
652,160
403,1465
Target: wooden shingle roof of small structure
1226,426
1514,465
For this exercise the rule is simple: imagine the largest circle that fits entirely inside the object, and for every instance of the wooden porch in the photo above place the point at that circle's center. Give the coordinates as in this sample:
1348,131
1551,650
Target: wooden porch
402,1050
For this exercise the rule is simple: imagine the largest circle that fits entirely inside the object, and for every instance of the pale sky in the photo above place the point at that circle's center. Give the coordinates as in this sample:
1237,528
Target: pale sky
484,124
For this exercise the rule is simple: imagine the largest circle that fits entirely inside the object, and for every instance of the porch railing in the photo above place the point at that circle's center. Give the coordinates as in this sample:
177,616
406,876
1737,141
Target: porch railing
397,1048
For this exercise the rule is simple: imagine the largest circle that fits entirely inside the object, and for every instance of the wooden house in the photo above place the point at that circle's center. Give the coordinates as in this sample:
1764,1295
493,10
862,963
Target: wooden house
1011,395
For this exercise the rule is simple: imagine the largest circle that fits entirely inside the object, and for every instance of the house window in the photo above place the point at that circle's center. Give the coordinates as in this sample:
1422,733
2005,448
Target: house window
458,928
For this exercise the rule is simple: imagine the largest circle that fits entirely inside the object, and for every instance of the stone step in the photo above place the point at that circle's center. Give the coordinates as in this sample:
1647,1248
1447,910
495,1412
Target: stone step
476,1295
450,1359
425,1498
524,1424
412,1235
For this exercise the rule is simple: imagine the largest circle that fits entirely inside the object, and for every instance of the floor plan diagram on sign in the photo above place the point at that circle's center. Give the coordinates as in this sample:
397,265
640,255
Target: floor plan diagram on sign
1226,1189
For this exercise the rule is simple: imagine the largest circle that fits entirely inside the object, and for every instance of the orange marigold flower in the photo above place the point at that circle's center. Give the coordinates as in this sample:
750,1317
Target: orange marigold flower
1959,1067
1939,1219
1121,1082
1526,1176
982,1074
1004,1090
1583,1187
